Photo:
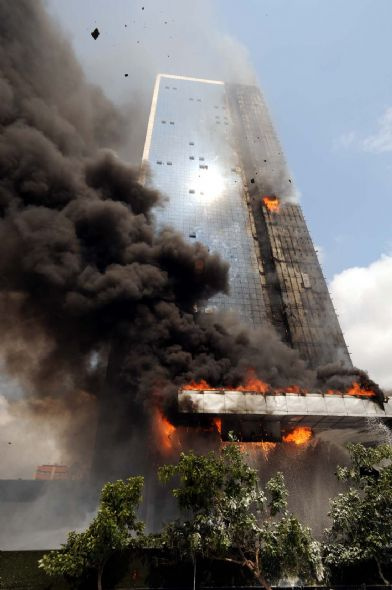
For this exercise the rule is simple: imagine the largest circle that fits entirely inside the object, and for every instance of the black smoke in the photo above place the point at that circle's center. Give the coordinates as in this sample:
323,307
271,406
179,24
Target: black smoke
84,273
85,277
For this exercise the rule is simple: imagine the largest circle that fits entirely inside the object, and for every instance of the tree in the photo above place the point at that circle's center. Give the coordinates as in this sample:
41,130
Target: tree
361,527
227,517
114,528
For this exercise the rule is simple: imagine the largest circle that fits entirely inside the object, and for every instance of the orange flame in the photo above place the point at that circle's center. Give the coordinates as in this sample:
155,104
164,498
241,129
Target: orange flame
272,203
164,431
202,384
252,383
218,424
299,436
356,389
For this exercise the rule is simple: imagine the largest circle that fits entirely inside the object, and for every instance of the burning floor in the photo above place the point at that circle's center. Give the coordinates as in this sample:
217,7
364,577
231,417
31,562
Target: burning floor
255,412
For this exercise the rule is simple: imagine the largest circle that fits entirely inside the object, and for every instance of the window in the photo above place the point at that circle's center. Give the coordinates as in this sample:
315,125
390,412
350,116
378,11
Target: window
174,87
192,234
171,122
191,143
191,99
199,100
201,159
163,121
192,192
167,87
169,163
191,157
203,166
159,162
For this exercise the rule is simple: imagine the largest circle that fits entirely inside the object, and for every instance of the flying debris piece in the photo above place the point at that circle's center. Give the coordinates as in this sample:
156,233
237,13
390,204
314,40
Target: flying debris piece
290,180
10,443
252,180
142,7
95,34
126,75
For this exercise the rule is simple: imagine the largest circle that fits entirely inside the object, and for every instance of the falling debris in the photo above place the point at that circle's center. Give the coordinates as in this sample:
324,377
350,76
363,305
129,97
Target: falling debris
126,75
95,34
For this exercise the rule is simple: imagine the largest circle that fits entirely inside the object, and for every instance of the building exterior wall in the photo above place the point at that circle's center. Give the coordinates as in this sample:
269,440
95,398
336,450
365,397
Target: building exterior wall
212,149
295,292
193,160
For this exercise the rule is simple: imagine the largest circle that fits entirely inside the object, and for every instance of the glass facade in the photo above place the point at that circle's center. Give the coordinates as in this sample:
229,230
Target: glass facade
212,150
193,160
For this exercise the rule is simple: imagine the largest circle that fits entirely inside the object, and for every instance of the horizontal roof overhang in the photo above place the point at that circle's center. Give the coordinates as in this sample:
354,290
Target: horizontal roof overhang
281,406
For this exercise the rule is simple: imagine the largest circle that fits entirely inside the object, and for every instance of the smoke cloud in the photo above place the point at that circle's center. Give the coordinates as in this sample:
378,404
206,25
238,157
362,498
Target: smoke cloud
83,269
85,277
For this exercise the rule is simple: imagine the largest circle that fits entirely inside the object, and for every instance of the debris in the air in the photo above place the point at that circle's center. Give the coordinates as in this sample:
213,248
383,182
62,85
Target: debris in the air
126,75
289,179
95,34
252,180
142,7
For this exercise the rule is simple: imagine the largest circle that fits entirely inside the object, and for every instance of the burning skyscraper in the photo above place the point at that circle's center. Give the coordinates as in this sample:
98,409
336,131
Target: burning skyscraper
211,147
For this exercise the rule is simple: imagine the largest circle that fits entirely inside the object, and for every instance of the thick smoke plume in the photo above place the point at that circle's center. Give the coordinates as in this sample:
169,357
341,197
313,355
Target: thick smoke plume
84,275
83,270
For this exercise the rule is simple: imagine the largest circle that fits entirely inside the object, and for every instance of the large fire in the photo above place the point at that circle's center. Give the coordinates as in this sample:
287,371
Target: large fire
272,203
218,424
165,432
202,384
252,383
299,436
355,390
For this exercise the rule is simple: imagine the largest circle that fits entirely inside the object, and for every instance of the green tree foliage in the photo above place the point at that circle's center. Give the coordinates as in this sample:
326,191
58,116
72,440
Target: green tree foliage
226,516
362,516
114,528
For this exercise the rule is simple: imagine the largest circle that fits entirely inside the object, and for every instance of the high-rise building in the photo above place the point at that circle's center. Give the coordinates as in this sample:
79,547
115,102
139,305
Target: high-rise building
211,147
